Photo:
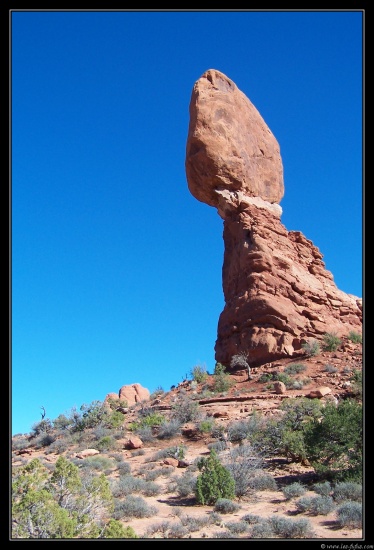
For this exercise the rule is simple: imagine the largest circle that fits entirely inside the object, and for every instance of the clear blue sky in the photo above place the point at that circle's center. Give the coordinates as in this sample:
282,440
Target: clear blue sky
116,268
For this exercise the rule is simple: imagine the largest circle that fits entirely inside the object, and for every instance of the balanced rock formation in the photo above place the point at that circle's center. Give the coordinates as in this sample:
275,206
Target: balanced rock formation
278,293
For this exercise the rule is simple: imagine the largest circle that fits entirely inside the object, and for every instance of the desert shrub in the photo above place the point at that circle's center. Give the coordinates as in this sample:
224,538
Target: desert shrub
126,485
303,504
42,427
19,443
214,482
218,446
356,381
151,475
243,462
206,426
349,514
176,531
290,529
323,488
311,347
133,507
185,484
355,337
263,482
331,341
237,431
124,468
320,505
347,490
226,506
170,429
330,368
145,433
262,530
150,489
300,383
161,527
222,381
44,440
294,368
251,519
199,373
193,523
185,410
115,530
293,490
334,443
97,462
223,535
107,443
285,378
58,446
150,420
237,527
61,422
158,392
177,451
137,452
91,415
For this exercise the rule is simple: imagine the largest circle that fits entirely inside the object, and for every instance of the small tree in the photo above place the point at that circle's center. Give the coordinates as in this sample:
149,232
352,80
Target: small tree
241,360
214,482
334,443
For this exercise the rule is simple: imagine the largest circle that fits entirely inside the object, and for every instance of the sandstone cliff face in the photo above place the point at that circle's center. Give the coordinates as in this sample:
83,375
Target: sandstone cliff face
278,293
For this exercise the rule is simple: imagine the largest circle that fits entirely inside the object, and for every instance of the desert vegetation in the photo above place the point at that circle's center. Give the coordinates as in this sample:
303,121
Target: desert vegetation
210,472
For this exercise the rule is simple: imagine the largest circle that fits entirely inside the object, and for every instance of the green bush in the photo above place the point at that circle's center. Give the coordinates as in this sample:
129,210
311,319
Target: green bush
115,530
151,420
356,381
331,341
199,374
355,337
334,442
107,443
294,368
222,381
214,482
311,348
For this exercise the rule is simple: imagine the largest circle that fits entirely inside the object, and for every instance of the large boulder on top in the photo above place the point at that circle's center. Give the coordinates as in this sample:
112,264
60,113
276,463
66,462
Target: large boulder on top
229,146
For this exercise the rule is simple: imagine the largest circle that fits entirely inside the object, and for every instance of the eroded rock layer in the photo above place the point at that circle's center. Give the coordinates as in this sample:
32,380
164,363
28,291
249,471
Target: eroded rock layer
278,293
